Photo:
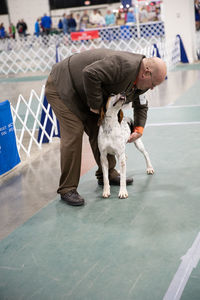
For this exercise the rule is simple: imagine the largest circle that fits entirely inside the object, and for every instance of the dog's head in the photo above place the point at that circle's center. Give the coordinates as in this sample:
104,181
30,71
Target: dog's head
114,104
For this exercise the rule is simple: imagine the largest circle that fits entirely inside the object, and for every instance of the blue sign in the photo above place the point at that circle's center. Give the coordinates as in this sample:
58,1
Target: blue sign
49,124
9,156
126,2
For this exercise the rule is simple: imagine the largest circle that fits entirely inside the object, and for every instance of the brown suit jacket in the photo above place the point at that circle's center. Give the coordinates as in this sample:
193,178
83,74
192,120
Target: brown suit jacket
85,80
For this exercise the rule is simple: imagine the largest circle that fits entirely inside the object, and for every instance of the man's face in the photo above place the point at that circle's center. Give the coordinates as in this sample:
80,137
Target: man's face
146,82
152,73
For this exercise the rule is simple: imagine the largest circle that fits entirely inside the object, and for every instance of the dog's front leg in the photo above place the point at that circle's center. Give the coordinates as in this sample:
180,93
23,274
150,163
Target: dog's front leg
106,185
140,146
122,163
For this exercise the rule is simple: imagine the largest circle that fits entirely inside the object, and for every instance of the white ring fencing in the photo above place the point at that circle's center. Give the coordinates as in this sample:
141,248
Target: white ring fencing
27,121
42,59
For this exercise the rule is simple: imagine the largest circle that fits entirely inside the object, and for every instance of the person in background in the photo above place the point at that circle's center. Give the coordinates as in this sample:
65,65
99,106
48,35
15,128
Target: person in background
71,23
102,21
37,27
19,27
130,18
143,15
157,14
2,31
95,18
65,24
120,19
46,24
25,27
197,14
78,22
109,18
12,30
60,25
84,22
151,12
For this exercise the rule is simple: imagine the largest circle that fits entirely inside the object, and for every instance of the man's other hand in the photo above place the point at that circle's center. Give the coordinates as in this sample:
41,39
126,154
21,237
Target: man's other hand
96,111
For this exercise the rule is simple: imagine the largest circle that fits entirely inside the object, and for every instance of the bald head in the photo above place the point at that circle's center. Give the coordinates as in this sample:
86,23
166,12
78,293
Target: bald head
158,68
152,72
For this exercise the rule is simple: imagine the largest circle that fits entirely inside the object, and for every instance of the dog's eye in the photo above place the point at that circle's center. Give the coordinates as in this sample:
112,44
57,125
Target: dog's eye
111,95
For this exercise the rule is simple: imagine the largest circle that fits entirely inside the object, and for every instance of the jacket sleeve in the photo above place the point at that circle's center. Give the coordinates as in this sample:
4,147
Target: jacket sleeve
103,72
140,112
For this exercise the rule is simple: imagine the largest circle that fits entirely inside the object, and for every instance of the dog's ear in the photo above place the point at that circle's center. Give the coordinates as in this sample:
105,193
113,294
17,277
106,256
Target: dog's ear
102,114
120,116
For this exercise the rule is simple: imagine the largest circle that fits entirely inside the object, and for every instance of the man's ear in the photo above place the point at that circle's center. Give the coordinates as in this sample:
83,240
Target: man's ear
147,72
102,114
120,116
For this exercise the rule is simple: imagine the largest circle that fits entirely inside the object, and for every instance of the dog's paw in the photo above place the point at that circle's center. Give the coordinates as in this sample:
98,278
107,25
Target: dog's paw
123,194
150,171
106,193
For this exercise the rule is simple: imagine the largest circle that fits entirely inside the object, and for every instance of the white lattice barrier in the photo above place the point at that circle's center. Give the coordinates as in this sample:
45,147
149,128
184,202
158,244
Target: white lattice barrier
27,60
168,51
26,119
42,59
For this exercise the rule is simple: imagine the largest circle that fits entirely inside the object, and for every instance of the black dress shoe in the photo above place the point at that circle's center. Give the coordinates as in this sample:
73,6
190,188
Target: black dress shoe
116,181
73,198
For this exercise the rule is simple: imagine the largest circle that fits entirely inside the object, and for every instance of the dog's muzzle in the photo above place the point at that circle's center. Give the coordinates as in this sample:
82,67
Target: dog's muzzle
122,98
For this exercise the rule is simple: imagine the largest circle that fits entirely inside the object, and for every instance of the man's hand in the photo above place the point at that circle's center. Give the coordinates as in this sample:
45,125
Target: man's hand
134,136
96,111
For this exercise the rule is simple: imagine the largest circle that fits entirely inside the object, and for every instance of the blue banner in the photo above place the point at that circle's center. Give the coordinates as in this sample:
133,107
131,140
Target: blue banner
43,116
49,125
9,156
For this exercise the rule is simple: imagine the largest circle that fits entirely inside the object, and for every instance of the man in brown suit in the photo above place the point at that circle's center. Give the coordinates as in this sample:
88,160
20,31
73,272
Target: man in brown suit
78,87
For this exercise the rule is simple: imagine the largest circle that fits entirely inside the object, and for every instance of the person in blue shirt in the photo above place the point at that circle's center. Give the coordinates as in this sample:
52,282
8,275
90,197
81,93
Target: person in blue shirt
130,18
37,27
2,31
109,18
60,25
65,24
46,24
71,23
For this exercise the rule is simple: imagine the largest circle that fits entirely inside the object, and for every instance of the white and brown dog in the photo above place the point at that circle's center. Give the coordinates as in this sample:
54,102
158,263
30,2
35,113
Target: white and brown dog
114,132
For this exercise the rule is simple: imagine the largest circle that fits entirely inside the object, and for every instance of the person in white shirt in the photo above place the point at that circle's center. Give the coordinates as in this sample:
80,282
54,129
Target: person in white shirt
95,18
102,21
143,16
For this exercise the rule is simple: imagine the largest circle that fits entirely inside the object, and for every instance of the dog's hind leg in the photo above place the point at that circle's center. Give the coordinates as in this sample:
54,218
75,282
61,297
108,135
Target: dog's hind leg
122,164
140,146
106,185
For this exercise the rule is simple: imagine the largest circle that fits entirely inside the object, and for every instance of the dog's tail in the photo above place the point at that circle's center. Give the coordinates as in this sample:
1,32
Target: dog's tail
130,123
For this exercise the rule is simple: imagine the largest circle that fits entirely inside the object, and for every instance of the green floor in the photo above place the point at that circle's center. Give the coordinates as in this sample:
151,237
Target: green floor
111,248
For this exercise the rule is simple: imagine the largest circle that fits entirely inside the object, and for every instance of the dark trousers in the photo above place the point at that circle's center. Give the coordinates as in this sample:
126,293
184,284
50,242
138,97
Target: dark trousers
71,131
